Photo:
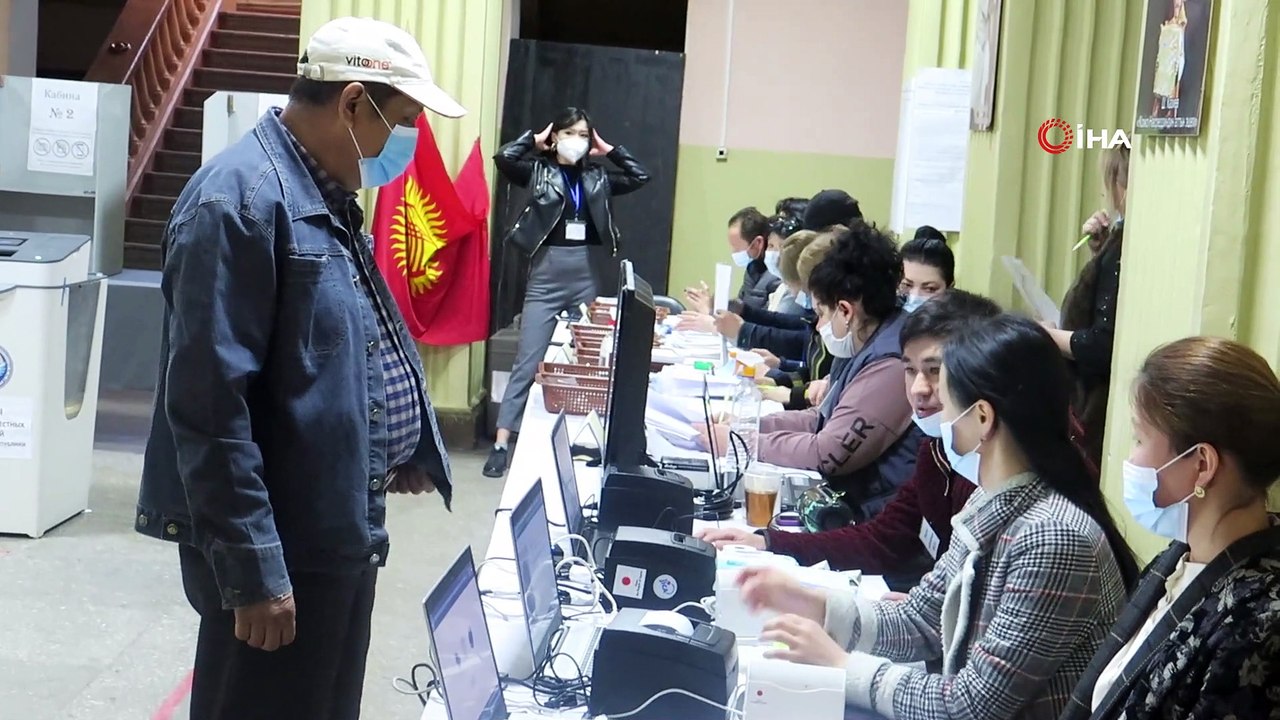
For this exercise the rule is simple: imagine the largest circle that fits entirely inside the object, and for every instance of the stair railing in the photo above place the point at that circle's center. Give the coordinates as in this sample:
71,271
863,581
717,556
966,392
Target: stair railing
154,48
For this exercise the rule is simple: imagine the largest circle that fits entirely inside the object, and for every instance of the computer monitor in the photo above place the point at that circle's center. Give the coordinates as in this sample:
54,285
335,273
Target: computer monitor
536,571
465,665
566,475
624,444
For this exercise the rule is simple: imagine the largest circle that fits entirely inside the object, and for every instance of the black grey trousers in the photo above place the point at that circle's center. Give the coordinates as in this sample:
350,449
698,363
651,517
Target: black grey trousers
318,677
560,278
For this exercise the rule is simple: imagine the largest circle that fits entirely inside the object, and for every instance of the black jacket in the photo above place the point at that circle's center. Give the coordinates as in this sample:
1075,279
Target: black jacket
523,166
786,336
757,285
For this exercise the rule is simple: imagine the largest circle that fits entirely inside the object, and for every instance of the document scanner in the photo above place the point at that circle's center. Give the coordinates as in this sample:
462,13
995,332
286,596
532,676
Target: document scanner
659,569
642,653
645,497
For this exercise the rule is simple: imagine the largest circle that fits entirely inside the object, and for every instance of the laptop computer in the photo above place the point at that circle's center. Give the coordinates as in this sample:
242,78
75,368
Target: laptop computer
549,634
575,522
466,670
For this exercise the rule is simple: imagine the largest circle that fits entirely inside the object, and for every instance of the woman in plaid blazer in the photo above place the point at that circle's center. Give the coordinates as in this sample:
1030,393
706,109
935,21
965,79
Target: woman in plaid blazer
1036,573
1201,637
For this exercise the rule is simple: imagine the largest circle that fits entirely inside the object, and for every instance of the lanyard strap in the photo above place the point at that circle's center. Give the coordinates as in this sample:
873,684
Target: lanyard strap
575,192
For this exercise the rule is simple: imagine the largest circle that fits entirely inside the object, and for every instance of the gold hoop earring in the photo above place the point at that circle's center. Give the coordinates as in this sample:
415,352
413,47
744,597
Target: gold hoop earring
1199,491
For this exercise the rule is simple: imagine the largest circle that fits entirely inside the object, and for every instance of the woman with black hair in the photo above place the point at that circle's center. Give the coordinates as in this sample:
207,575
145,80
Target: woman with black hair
928,267
1035,576
860,436
567,230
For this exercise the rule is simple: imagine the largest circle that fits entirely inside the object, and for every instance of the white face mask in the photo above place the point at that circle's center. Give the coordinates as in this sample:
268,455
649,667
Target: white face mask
965,465
771,259
741,258
1140,485
930,425
572,148
838,347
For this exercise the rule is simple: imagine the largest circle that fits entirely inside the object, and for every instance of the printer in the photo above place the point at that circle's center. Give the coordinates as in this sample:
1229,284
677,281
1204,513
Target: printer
642,653
659,569
645,497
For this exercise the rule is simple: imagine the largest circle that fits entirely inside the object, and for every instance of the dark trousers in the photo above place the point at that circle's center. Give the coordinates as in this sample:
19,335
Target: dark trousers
318,677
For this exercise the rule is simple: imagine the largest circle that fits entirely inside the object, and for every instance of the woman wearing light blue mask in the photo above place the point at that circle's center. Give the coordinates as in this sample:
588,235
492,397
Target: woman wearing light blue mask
928,268
1035,575
566,229
1198,639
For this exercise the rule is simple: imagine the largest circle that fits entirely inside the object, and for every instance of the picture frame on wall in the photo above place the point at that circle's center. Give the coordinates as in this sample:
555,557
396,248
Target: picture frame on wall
982,99
1174,54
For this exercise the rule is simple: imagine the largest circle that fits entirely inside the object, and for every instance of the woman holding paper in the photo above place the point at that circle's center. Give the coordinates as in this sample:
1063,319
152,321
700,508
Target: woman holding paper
1087,333
567,230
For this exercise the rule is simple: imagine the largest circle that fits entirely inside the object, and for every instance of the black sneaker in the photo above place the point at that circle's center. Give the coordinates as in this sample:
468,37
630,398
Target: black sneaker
496,465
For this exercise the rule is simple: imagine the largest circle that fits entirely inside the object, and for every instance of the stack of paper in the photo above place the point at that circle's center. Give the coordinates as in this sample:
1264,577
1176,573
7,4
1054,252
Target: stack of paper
678,432
685,381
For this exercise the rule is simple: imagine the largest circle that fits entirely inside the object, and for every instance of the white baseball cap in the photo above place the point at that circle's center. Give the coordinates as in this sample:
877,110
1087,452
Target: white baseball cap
352,49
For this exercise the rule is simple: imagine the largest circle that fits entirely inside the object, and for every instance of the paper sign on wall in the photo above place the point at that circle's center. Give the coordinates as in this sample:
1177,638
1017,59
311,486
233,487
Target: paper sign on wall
17,428
64,127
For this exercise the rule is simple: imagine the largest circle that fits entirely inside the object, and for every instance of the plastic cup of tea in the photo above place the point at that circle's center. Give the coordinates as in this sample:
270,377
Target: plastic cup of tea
761,491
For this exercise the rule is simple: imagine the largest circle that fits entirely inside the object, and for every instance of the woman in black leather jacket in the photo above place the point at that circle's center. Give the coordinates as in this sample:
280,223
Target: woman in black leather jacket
567,230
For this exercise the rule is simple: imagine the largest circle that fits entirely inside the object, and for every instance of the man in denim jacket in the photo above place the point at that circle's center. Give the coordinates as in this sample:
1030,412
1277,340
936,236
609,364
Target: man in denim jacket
291,398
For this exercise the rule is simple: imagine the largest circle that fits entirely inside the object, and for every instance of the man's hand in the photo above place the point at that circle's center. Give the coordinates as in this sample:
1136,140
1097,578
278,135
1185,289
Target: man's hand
729,325
720,537
817,391
719,431
410,480
268,625
696,322
699,299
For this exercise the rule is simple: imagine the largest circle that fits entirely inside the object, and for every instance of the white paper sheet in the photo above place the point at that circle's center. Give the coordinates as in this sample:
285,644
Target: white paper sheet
64,127
17,428
930,168
724,283
1032,292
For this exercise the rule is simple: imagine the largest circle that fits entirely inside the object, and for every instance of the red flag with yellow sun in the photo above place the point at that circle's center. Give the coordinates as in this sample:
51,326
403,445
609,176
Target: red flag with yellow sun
431,245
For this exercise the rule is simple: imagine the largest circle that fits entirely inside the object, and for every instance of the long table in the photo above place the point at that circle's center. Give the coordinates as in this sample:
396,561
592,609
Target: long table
532,461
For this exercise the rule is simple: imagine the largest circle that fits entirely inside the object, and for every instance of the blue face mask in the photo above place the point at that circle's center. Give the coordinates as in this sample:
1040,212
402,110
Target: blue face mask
396,154
965,465
913,302
804,301
1140,485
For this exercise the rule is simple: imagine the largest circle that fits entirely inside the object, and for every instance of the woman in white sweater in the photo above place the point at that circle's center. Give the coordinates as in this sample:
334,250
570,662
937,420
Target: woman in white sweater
1036,573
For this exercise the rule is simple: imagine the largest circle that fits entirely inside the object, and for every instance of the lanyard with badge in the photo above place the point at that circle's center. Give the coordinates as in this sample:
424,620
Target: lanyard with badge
574,228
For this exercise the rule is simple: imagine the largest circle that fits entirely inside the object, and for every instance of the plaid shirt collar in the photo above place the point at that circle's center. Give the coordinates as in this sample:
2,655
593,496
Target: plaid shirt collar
339,199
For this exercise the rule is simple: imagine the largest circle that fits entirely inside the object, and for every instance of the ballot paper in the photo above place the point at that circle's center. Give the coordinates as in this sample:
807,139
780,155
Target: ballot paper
683,381
679,433
1041,305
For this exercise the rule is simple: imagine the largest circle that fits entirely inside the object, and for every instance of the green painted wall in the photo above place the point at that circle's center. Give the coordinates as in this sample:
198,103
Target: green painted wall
708,191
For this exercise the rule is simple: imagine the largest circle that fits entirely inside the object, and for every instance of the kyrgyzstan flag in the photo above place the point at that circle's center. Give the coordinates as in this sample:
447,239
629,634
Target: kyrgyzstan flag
420,227
465,316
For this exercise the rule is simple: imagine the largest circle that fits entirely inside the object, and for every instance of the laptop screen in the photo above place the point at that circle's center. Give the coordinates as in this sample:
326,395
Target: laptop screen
568,479
468,673
536,570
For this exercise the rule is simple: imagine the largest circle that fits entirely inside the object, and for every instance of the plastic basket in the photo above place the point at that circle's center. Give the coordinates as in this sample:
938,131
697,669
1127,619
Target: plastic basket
574,395
590,371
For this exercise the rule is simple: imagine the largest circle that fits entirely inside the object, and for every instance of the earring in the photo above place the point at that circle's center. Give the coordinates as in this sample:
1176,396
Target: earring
1199,491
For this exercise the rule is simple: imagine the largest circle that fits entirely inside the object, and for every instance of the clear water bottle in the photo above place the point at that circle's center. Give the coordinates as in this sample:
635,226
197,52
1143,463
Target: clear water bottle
744,423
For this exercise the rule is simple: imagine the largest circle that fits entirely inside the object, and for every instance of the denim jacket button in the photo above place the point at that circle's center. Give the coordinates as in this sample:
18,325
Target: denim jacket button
370,346
142,521
374,558
375,484
373,411
171,529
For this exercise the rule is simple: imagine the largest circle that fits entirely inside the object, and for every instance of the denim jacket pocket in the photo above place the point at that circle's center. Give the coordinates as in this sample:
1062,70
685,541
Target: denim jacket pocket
314,292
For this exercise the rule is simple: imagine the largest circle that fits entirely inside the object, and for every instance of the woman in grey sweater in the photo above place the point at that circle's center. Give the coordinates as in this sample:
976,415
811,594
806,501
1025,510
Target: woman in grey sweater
1036,573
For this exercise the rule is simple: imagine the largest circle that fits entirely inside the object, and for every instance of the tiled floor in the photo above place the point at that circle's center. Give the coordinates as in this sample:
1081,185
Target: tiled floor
94,624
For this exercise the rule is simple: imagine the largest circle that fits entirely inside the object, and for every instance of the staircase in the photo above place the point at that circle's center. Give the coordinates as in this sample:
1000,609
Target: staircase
253,48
